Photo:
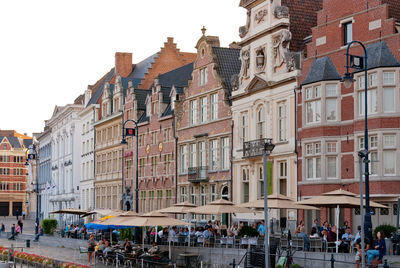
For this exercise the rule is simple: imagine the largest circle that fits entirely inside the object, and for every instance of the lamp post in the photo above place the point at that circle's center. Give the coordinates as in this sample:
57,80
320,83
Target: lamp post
268,147
33,155
360,63
133,132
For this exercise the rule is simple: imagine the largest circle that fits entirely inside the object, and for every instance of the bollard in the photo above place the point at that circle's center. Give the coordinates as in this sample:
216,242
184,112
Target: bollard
233,264
332,261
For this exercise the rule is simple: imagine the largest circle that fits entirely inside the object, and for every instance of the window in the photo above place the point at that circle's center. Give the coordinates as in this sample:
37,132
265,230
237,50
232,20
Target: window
331,163
389,154
213,192
116,104
282,121
193,113
154,106
313,160
202,154
243,132
203,110
384,211
245,184
331,160
348,32
260,182
154,166
183,159
371,102
331,103
183,194
202,199
167,134
373,165
388,78
167,163
313,105
372,79
141,167
214,106
213,154
389,100
168,196
283,178
141,140
159,199
203,76
225,153
193,194
154,138
192,155
151,200
260,123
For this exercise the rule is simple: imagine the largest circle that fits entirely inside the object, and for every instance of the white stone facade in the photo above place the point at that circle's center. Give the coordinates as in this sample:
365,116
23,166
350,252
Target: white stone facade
66,135
45,172
263,105
87,118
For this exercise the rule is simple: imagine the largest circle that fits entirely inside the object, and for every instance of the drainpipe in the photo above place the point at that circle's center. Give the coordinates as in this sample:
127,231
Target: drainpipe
94,156
176,157
232,124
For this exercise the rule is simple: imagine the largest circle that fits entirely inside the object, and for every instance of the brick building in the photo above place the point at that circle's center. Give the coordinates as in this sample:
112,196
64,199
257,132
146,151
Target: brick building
330,117
203,124
111,95
13,172
263,101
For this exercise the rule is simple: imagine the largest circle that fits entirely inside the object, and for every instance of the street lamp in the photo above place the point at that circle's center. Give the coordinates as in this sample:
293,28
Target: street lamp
268,147
33,155
360,63
128,132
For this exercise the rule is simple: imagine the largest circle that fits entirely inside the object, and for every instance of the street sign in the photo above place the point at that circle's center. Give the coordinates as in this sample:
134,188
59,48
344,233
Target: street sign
129,132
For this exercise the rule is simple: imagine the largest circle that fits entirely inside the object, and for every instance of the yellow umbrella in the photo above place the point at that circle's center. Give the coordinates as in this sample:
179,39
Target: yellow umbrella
107,217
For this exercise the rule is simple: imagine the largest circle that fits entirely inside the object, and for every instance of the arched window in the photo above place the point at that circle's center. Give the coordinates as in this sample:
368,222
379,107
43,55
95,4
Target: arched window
260,123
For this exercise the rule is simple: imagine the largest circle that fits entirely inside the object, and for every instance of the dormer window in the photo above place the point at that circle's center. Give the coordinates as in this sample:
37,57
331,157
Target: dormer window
116,104
148,108
203,76
348,32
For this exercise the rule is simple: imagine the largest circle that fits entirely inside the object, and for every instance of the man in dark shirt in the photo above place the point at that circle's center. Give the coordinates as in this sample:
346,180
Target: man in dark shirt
332,234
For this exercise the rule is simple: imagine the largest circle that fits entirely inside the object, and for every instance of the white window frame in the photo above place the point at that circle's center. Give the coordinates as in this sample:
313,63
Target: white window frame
282,119
213,155
260,127
183,158
313,100
225,146
193,113
313,153
192,155
244,127
203,109
202,154
214,107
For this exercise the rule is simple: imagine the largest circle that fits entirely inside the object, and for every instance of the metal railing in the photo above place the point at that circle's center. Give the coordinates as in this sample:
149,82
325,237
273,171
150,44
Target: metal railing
254,148
197,174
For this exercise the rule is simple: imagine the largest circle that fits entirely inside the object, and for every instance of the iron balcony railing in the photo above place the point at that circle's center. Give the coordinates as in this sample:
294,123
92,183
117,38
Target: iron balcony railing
197,174
254,148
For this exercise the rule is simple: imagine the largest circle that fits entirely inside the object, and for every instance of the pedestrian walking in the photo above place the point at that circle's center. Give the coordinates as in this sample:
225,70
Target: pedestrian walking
23,214
17,213
20,224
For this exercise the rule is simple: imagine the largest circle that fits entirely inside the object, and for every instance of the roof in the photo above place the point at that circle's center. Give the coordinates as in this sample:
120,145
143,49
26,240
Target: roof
166,91
228,64
14,141
177,77
142,67
27,142
143,118
322,69
379,55
141,95
168,111
99,91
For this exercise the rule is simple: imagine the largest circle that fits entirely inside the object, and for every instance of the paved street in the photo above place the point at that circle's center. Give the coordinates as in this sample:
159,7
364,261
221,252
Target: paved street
29,225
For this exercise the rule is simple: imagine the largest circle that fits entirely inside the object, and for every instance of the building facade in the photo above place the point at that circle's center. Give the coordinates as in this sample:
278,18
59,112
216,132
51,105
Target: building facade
331,117
203,125
149,93
66,137
13,173
263,100
45,172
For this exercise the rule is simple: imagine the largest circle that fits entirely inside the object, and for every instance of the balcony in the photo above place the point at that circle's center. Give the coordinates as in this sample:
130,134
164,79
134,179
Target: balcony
254,148
197,174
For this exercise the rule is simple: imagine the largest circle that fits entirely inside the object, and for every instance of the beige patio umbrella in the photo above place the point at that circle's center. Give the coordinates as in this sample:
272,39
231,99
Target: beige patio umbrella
336,199
276,201
72,211
119,219
218,207
179,208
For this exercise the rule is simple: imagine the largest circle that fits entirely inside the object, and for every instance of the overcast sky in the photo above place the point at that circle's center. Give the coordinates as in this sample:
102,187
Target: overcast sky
50,51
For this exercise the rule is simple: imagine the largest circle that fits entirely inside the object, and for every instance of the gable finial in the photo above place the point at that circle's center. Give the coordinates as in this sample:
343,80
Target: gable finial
203,30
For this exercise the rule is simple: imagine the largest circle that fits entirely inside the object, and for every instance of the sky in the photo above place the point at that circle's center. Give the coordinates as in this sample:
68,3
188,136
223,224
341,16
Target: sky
52,50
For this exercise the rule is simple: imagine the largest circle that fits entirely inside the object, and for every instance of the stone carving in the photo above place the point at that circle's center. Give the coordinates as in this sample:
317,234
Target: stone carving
245,58
259,16
281,12
235,82
244,29
127,199
292,61
281,46
260,58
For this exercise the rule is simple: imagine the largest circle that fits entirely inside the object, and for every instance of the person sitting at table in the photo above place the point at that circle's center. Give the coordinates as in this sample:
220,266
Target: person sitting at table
358,247
99,247
306,240
39,234
379,249
154,249
314,233
347,237
234,230
128,247
199,232
184,231
107,249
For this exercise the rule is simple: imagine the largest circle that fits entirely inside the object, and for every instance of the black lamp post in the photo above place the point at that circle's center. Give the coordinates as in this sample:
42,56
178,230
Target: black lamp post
33,155
126,132
360,63
268,147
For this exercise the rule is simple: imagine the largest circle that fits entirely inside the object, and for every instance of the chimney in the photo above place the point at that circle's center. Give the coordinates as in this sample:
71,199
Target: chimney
234,45
88,94
123,63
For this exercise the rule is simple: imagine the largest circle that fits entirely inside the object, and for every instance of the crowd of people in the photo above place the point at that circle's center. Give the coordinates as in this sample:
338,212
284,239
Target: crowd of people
345,240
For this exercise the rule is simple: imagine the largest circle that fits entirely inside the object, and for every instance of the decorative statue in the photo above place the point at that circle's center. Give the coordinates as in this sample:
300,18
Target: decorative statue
260,58
281,12
259,16
244,29
245,58
235,82
281,46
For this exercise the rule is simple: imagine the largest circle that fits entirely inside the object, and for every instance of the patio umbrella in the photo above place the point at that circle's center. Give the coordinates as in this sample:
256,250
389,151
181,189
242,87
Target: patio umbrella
179,208
72,211
103,212
336,199
276,201
218,207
